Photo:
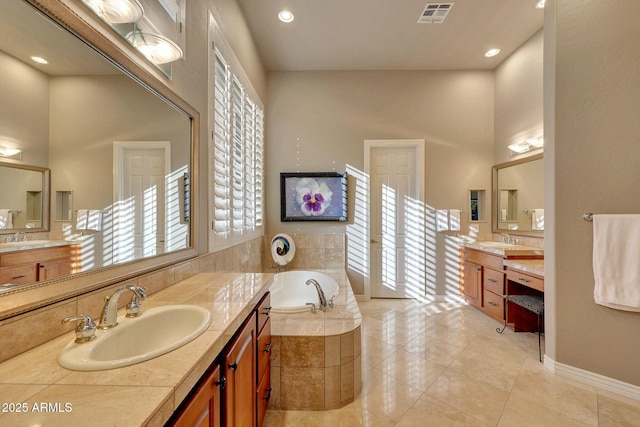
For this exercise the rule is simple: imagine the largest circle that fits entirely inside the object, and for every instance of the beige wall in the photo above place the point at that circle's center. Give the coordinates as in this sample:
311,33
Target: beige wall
318,121
596,127
24,110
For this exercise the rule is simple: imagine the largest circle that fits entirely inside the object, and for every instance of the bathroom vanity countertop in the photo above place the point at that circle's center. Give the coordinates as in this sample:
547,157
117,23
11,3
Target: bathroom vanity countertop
507,251
532,266
36,390
33,244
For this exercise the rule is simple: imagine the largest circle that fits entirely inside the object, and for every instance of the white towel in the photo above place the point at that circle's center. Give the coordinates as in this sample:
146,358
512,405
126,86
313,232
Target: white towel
82,219
616,270
454,219
537,219
442,220
6,219
94,221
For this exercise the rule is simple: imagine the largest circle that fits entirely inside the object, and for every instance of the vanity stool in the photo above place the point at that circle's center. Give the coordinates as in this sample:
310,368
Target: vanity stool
534,304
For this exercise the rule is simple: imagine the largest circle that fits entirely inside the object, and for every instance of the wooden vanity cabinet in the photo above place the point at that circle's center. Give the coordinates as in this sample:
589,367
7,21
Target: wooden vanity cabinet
203,408
484,282
34,265
240,375
263,384
237,389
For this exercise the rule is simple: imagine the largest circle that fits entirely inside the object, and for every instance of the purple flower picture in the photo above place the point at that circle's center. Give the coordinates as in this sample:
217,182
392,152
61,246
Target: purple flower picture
313,196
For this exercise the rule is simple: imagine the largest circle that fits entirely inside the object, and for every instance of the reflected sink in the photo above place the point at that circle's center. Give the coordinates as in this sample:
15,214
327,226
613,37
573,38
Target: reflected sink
157,331
496,244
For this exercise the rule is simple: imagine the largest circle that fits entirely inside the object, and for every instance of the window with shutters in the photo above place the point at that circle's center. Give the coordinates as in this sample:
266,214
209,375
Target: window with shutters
238,148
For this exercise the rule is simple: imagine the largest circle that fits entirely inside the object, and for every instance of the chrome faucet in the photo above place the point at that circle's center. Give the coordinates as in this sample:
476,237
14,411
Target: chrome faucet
323,298
505,238
109,317
18,234
86,329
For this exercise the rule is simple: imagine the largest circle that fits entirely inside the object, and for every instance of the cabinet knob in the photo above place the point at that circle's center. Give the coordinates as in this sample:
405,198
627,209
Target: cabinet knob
233,366
268,394
267,311
268,349
222,382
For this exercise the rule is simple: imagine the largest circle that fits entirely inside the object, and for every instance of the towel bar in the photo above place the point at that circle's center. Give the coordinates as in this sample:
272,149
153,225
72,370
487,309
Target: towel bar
588,216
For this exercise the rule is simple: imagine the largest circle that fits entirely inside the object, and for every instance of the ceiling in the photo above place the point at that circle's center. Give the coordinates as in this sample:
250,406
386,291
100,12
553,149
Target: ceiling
26,32
385,35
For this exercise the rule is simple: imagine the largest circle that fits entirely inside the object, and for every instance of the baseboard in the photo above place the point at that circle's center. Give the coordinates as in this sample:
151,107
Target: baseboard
610,384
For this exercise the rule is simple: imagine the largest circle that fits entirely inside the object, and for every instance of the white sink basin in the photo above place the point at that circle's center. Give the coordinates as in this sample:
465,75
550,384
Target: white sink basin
157,331
496,244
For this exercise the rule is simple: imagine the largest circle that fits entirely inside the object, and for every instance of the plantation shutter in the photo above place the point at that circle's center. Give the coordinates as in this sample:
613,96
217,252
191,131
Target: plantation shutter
238,157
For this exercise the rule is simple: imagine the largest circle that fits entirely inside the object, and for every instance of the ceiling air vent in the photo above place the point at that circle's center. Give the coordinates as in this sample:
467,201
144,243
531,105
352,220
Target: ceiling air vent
434,13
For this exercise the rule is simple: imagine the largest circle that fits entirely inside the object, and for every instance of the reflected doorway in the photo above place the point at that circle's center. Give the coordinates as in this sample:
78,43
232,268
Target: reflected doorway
139,198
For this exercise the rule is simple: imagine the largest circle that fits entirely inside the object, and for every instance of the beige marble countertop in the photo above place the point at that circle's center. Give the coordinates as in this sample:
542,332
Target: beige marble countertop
533,266
144,394
24,245
506,250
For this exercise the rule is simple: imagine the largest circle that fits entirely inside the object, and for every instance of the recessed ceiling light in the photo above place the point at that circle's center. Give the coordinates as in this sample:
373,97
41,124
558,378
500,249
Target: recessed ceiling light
286,15
540,4
39,60
492,52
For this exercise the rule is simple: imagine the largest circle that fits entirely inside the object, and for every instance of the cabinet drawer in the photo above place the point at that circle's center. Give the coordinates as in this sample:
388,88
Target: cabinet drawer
264,348
19,275
494,281
494,305
483,258
526,280
263,309
263,395
34,255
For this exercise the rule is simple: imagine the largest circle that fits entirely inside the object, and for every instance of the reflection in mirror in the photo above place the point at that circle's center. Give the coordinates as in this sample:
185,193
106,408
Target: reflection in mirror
23,197
122,151
518,194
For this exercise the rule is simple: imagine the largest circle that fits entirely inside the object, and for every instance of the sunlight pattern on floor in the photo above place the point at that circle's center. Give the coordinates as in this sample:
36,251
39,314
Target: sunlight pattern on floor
442,364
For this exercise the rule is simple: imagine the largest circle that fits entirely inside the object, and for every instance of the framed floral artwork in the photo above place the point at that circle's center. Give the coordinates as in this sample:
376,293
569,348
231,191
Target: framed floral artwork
313,196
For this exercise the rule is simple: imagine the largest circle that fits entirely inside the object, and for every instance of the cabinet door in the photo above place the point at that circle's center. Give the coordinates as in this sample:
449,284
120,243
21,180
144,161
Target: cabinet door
472,283
203,409
240,373
54,268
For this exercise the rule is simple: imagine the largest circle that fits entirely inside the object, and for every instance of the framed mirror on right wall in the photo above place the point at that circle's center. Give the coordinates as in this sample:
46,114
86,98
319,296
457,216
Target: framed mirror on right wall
518,197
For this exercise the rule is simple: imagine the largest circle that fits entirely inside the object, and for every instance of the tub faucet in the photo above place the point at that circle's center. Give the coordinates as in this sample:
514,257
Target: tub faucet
323,298
109,317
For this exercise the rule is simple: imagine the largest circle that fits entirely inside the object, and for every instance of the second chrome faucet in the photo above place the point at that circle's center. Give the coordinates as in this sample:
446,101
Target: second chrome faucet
109,315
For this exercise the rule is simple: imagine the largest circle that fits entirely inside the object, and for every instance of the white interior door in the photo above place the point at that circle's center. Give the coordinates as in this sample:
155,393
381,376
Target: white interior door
141,203
395,171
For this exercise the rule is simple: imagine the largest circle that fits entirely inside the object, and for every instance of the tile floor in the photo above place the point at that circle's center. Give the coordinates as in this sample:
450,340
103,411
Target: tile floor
443,364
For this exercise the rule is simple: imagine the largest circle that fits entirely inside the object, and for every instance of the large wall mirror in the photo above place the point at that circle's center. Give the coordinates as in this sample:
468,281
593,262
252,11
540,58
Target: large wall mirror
120,142
518,197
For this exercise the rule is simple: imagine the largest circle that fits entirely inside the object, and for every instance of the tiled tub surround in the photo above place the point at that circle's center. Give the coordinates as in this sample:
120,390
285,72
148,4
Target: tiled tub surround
142,394
316,363
313,252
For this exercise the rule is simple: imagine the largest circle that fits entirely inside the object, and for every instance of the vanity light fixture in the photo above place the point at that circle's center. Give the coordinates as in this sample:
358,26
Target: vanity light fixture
117,11
6,151
156,48
286,16
492,52
39,60
527,145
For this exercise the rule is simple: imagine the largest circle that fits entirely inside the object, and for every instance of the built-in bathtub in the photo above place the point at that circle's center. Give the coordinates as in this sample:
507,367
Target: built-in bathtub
291,294
316,358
